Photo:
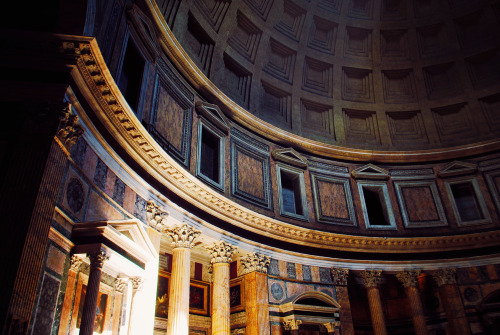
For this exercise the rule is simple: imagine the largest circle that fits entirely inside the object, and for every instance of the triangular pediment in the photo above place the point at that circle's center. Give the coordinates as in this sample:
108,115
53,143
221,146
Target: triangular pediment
213,114
457,168
370,171
144,27
290,156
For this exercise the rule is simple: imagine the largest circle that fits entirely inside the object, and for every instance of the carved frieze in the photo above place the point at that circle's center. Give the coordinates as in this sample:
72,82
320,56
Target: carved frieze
183,236
255,262
409,278
221,252
371,278
339,276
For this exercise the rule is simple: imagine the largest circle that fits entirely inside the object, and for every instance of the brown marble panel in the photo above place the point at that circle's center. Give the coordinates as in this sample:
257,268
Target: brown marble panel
129,200
293,289
250,178
420,204
332,199
55,260
169,118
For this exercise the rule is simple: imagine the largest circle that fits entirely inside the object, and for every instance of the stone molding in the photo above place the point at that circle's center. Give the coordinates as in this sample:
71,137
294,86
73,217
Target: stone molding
156,217
97,258
292,324
114,113
221,252
137,283
255,262
409,278
371,278
182,236
339,276
445,276
121,283
75,263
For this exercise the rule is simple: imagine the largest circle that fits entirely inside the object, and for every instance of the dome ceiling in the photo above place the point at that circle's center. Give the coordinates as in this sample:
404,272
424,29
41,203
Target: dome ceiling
366,74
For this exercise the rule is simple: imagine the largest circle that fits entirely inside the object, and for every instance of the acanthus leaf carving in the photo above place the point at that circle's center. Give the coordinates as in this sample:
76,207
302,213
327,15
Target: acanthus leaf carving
156,217
221,252
183,236
255,262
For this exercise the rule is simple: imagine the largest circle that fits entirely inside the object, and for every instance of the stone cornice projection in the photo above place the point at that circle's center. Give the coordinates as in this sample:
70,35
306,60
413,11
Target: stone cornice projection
97,85
198,80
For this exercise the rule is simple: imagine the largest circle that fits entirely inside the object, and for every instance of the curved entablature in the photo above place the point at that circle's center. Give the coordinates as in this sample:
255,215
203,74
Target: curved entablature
99,90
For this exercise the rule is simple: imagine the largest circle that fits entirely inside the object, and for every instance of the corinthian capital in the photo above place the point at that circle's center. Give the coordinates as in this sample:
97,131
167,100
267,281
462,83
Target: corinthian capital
121,283
409,278
137,283
371,278
221,252
156,217
445,276
255,262
292,324
339,276
330,326
69,132
97,258
183,236
75,263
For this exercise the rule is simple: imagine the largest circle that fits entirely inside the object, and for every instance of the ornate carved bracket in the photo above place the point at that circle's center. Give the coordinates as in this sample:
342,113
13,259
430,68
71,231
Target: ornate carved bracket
409,278
157,217
183,236
221,252
371,278
255,262
339,276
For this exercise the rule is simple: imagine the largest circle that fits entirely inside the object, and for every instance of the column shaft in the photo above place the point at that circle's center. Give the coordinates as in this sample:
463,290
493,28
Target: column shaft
90,304
345,310
221,313
454,308
178,306
376,311
417,310
257,310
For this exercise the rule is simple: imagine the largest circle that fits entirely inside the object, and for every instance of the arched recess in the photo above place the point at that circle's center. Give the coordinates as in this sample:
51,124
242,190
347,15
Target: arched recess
489,311
311,309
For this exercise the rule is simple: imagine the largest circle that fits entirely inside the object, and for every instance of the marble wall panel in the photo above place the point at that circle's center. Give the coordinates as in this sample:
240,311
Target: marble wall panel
46,305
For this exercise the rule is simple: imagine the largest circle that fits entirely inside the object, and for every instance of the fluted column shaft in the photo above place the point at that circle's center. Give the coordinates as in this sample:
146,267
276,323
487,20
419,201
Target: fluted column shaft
417,310
221,313
183,238
178,306
371,280
90,304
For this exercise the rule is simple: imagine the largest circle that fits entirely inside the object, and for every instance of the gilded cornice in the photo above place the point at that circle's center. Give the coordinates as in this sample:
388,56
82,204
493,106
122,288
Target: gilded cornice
198,80
97,85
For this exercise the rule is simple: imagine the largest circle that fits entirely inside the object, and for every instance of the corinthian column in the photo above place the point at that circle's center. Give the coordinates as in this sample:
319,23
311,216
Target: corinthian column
221,257
256,293
90,305
371,279
292,325
409,279
183,238
339,277
453,306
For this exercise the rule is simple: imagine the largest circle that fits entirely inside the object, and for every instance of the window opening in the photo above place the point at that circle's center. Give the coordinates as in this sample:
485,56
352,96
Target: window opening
375,206
466,202
210,155
290,193
131,76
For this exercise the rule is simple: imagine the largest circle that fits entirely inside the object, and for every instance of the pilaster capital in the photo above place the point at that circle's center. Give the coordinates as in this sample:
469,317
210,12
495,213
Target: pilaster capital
156,216
371,278
221,252
69,132
255,262
137,283
339,276
445,276
330,326
292,324
409,278
238,331
75,263
182,236
121,283
97,259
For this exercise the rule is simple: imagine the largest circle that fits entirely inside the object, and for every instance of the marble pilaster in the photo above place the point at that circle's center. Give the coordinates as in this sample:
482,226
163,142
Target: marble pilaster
75,263
339,278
